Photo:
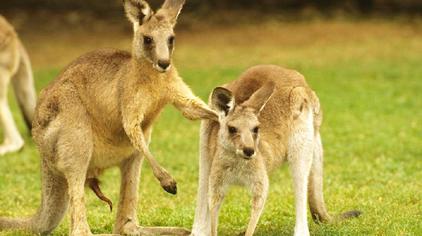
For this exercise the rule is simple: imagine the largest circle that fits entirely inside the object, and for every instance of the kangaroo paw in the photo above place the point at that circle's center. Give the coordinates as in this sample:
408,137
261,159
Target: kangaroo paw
169,184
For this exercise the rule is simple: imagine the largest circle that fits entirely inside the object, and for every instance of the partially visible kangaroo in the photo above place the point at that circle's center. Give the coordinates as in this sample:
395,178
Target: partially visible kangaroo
15,67
98,114
267,116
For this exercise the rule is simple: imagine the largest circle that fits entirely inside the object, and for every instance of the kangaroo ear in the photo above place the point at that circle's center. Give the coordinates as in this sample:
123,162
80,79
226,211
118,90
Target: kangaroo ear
171,9
137,11
258,99
222,100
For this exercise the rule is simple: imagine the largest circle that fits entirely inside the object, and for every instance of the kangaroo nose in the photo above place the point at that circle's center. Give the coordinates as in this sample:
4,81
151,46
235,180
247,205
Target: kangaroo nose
248,152
163,64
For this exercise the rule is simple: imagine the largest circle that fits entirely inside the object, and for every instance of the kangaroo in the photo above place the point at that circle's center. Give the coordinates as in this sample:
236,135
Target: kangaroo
98,113
267,116
15,67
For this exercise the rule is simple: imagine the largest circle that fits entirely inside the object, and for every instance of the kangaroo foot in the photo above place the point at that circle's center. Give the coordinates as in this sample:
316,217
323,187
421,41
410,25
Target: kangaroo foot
132,229
7,147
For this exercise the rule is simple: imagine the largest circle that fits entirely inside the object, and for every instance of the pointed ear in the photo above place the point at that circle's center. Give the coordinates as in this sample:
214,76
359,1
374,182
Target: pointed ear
137,11
171,9
222,100
258,99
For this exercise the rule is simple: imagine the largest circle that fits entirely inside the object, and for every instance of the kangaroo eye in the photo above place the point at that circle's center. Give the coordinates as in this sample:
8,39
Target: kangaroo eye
232,130
255,130
148,40
171,40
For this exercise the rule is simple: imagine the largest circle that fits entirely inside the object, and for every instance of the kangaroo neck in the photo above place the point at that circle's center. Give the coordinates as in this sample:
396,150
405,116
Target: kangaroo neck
142,69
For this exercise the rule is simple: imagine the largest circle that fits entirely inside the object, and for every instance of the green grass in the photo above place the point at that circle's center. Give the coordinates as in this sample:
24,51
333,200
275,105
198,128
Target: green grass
368,76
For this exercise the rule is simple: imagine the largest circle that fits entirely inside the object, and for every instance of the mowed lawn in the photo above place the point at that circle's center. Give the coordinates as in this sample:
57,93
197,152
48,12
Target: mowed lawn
368,75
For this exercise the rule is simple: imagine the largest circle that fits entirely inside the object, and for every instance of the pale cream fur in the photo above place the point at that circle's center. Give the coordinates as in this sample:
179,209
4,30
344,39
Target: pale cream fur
15,67
98,114
275,118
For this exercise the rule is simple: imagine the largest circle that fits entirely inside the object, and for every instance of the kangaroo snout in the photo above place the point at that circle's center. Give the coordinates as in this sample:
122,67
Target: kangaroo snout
164,64
248,152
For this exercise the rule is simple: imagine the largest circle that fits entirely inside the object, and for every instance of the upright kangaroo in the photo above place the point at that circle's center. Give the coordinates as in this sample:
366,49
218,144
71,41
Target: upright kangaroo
15,67
98,113
268,116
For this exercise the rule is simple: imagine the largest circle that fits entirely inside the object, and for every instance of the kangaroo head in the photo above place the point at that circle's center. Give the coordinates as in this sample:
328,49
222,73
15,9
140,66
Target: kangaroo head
239,123
154,36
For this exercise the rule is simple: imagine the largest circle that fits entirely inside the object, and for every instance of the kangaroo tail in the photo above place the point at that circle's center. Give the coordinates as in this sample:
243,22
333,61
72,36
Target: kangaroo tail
23,85
349,214
54,203
315,190
21,224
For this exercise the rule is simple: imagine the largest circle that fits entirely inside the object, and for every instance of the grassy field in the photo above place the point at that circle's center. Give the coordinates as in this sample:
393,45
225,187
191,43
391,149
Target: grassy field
368,75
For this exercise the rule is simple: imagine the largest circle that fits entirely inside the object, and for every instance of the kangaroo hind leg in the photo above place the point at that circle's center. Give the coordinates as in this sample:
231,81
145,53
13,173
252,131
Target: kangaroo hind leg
300,161
23,85
12,139
127,220
73,150
202,221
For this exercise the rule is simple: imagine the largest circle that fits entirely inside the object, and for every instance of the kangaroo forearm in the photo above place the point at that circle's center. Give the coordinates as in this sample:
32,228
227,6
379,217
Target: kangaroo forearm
137,137
194,109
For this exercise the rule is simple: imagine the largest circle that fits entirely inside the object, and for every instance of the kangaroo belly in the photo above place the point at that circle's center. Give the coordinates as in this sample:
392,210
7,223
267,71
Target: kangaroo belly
108,153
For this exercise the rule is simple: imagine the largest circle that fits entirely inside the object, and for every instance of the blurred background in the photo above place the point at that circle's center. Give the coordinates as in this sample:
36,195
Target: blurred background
40,20
355,6
362,57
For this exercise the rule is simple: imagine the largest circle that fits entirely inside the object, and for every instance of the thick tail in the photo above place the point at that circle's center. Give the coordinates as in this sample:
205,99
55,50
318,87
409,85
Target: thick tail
348,214
54,203
19,224
23,85
315,190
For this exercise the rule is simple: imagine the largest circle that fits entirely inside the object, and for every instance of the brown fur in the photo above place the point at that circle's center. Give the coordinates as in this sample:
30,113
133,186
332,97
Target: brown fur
268,116
98,113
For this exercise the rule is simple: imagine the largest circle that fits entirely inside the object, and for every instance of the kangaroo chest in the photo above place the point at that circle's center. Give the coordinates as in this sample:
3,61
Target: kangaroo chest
233,169
112,146
147,98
